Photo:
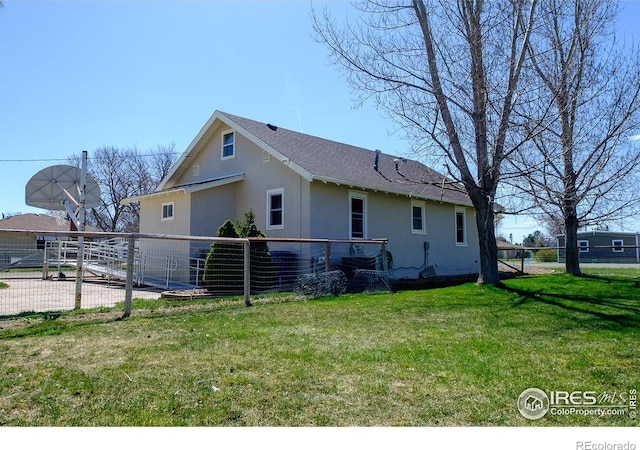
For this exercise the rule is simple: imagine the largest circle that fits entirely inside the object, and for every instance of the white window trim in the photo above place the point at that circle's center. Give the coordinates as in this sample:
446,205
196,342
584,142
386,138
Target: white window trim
362,196
583,248
463,211
614,245
421,205
270,194
173,211
233,154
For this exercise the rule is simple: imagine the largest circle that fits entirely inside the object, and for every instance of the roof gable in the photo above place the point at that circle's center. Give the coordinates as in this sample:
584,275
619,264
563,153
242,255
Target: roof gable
320,159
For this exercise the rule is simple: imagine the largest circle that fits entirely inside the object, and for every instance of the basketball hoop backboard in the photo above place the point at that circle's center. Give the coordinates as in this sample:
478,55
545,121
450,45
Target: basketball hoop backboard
50,187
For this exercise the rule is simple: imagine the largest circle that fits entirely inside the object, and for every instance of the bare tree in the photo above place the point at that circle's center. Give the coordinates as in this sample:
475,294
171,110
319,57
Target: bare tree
580,164
123,173
448,73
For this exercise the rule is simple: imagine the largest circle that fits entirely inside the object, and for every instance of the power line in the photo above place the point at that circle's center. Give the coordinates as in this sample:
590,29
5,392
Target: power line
90,158
32,160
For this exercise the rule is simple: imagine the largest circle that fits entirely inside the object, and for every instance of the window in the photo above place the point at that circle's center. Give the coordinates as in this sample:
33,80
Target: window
167,211
417,218
358,214
583,246
275,208
461,226
617,246
228,145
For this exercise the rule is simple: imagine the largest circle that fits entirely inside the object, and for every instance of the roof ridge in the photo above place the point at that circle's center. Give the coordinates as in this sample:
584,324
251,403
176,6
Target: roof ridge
330,161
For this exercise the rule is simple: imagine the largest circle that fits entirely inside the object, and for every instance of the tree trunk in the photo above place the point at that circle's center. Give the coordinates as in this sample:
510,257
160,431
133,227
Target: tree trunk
571,250
488,271
570,208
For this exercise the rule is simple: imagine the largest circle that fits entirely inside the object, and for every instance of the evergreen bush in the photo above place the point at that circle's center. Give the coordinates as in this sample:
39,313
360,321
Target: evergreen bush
223,269
224,264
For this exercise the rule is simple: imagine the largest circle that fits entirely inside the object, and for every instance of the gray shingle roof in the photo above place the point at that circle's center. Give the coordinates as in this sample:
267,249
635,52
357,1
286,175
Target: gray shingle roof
328,160
38,222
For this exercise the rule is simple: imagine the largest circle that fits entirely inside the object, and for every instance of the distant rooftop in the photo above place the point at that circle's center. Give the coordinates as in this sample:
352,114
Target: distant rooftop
38,222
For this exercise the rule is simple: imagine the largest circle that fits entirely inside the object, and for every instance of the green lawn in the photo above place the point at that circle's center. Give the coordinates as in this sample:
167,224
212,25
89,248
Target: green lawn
451,356
611,271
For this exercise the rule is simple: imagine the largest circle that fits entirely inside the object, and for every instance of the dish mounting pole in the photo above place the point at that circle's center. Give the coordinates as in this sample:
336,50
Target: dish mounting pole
80,223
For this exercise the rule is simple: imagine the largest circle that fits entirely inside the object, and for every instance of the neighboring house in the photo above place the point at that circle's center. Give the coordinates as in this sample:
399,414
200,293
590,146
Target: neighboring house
301,186
507,250
604,246
15,247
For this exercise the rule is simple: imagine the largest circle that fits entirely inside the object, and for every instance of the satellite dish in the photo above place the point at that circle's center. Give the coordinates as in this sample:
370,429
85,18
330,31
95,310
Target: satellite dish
57,188
50,187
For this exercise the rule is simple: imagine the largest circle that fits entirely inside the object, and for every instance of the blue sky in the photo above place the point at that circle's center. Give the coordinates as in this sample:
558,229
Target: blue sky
77,75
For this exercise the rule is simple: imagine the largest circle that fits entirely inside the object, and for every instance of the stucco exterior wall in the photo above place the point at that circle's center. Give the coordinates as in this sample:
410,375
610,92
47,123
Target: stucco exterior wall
151,214
389,216
267,174
165,259
311,209
328,211
210,208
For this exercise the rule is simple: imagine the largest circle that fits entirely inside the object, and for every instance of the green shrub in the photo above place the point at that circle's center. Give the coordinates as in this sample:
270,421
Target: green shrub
224,264
546,255
223,269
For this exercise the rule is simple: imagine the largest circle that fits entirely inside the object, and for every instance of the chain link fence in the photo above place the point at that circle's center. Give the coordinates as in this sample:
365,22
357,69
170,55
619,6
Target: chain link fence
42,271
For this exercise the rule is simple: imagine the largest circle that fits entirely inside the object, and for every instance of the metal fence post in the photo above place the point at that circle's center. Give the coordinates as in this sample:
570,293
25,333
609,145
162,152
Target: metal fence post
59,267
128,287
383,253
79,272
82,219
247,273
327,257
45,263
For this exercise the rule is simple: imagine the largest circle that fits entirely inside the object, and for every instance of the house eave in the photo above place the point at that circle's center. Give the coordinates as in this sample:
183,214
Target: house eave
413,195
189,188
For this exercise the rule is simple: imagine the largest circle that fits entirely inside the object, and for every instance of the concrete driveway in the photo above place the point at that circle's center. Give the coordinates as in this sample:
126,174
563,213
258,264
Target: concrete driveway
37,295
